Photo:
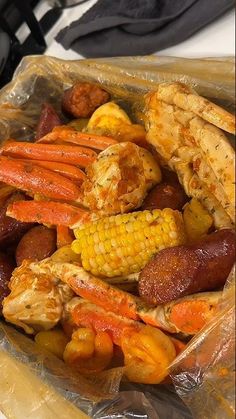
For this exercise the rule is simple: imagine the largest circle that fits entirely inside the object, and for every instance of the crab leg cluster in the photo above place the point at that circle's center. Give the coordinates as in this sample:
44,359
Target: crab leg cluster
51,172
187,315
35,179
79,156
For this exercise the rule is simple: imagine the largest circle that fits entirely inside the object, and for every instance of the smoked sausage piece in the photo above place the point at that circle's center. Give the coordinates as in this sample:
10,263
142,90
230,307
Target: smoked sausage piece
11,230
168,194
37,244
47,121
183,270
165,195
81,100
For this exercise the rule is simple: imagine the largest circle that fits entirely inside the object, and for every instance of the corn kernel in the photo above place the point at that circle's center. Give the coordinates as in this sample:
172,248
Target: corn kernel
86,264
129,228
92,228
100,260
96,237
96,248
101,235
108,246
92,262
166,227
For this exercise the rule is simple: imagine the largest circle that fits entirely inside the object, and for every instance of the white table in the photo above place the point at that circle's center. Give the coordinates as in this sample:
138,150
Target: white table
217,39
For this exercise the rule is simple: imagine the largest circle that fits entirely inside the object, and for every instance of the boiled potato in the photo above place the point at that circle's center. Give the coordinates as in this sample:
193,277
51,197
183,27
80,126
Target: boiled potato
54,341
107,115
109,119
197,220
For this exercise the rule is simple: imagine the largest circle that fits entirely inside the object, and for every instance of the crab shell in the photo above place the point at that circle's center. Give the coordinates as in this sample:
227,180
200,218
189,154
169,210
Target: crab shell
186,131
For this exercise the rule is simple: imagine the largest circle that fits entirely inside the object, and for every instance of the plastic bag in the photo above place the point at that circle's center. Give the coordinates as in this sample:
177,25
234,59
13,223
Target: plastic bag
206,369
205,384
49,378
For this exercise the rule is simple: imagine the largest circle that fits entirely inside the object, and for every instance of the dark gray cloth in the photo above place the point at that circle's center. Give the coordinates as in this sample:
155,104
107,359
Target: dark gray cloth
138,27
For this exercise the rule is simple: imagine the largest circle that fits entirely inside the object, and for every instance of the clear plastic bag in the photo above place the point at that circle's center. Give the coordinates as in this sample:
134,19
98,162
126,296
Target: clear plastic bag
206,369
203,375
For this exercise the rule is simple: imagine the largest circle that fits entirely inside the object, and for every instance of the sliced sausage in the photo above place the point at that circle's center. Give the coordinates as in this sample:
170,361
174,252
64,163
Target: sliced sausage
168,194
37,244
47,121
11,230
81,100
183,270
165,195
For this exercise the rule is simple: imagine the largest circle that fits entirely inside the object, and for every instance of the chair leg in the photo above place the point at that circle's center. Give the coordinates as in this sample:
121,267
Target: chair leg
29,17
6,28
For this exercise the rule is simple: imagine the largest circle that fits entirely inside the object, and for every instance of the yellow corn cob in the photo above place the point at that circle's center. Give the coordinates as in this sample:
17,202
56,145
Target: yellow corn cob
123,244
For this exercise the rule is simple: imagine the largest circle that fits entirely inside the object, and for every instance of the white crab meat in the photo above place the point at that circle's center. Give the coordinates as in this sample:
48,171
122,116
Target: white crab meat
36,300
185,130
120,178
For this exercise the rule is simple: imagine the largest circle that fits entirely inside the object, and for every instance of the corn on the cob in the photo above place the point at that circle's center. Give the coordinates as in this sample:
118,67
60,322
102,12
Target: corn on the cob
123,244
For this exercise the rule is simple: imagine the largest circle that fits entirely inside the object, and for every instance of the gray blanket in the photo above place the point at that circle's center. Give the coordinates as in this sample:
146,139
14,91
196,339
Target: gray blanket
138,27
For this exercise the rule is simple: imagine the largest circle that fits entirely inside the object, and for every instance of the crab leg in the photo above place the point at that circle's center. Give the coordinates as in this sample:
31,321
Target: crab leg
80,156
67,170
86,314
169,317
187,315
47,212
69,135
94,289
181,95
35,179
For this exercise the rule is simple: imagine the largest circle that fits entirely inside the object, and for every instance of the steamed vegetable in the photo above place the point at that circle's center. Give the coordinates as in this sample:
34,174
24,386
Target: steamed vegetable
123,244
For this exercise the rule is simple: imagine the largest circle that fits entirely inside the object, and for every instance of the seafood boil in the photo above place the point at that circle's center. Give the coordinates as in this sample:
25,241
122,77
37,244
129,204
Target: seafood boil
116,239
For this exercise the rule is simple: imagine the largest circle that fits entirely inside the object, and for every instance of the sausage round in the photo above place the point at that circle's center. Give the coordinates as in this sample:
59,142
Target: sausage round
168,194
183,270
6,268
37,244
47,121
81,100
165,195
11,230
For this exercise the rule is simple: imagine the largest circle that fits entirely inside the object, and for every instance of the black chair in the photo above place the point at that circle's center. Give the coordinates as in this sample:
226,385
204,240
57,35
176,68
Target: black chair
13,13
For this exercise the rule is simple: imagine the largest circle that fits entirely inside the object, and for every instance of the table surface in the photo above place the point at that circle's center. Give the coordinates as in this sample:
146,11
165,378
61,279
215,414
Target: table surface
217,39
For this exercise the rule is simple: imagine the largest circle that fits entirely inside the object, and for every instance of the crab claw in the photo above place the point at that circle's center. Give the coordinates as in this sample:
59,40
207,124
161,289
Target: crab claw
34,179
67,170
80,156
66,134
48,212
186,315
